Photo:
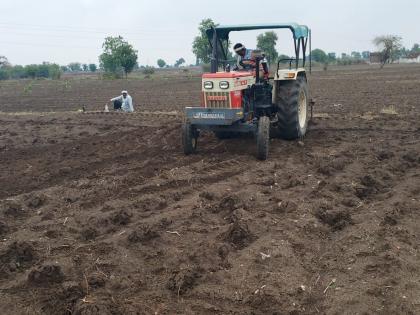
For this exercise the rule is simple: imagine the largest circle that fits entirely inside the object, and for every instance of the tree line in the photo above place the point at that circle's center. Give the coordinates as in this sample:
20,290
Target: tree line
44,70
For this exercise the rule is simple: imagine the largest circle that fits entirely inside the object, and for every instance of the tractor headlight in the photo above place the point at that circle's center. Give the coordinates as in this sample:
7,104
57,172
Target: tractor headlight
224,85
208,85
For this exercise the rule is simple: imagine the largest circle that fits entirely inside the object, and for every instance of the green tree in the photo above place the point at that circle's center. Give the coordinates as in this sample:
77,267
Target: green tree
179,62
4,62
43,71
389,46
17,72
54,71
318,55
332,56
366,54
4,74
356,55
92,67
75,66
415,49
118,54
267,43
201,46
282,56
31,70
161,63
85,67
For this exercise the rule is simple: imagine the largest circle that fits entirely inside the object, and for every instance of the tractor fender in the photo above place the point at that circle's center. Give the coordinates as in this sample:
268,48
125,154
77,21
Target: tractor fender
285,75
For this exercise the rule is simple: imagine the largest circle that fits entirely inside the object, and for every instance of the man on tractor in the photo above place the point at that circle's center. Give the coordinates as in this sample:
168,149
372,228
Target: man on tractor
247,59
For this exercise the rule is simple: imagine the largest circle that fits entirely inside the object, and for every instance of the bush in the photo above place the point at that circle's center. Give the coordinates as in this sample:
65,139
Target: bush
4,74
148,70
17,72
31,70
110,76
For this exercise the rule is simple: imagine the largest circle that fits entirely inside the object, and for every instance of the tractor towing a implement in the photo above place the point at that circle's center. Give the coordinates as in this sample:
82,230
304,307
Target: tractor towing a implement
244,102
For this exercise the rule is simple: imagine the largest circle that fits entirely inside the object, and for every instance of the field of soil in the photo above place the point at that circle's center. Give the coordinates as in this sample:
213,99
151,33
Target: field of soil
103,214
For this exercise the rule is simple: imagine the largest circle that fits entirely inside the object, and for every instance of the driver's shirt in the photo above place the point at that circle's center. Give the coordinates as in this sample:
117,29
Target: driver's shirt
247,62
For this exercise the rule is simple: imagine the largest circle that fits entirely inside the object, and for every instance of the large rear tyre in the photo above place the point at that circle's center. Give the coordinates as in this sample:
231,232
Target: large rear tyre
292,103
189,139
263,138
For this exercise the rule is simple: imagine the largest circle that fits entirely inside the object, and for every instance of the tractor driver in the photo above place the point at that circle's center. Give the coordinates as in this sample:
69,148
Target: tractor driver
247,59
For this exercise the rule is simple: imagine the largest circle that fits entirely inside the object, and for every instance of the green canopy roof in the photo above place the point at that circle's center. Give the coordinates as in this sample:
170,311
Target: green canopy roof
299,31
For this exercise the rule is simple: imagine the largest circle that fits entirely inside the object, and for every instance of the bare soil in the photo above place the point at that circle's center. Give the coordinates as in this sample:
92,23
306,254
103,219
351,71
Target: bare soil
103,214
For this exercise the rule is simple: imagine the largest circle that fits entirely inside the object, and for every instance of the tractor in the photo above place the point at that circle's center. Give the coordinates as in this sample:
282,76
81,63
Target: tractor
242,101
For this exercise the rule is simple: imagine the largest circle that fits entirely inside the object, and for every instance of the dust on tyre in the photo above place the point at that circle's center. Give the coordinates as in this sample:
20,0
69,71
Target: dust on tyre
292,104
263,138
189,139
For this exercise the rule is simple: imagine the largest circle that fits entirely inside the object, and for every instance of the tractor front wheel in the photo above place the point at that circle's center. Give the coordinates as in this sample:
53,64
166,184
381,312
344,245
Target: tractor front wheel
189,138
263,138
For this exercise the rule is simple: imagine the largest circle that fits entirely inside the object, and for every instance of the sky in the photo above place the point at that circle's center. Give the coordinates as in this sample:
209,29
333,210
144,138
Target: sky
64,31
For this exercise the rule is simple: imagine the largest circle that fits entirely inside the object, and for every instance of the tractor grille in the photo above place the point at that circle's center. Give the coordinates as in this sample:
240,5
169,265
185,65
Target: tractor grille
217,99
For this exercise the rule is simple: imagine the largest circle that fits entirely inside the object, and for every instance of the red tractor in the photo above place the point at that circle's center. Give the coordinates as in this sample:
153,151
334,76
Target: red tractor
245,102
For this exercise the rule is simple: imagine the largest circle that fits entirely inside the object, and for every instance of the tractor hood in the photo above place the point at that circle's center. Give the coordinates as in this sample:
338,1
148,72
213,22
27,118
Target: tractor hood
227,75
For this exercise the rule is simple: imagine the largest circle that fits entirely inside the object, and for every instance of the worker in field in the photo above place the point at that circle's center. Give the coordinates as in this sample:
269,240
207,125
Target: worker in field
123,102
247,59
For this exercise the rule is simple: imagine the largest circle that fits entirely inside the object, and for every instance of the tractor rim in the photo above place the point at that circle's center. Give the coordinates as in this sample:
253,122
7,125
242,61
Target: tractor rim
302,109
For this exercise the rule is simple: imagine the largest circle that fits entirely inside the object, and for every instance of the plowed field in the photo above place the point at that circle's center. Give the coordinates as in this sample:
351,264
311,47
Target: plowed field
103,214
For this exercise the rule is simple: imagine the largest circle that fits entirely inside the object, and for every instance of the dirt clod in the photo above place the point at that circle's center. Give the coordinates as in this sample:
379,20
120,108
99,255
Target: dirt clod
45,275
18,255
89,233
238,235
336,219
182,281
121,218
13,209
35,202
4,229
94,308
142,234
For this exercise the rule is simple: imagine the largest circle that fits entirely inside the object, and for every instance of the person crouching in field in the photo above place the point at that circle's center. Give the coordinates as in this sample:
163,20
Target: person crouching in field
123,102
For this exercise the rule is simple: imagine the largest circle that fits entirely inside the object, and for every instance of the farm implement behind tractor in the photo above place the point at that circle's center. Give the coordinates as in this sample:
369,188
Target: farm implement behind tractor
245,102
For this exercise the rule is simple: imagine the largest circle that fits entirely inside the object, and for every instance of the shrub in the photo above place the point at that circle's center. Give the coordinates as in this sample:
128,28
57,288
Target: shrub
148,70
4,74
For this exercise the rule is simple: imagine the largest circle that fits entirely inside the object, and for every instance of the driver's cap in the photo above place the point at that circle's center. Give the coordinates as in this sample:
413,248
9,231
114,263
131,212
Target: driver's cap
239,47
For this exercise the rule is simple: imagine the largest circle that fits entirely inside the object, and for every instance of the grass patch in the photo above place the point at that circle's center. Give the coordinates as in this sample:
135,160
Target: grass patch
389,110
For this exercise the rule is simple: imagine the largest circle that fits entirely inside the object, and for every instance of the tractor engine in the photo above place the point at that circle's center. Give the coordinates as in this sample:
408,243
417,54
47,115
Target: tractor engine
225,89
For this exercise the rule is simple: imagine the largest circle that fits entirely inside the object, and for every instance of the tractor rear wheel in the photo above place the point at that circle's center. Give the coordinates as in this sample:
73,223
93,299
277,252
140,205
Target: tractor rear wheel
292,104
189,138
263,138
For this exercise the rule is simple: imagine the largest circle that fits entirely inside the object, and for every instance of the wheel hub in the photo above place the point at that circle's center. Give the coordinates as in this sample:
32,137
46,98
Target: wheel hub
302,109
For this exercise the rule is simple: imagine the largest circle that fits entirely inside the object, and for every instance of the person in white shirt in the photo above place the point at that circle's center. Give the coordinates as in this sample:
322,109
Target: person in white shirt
123,102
